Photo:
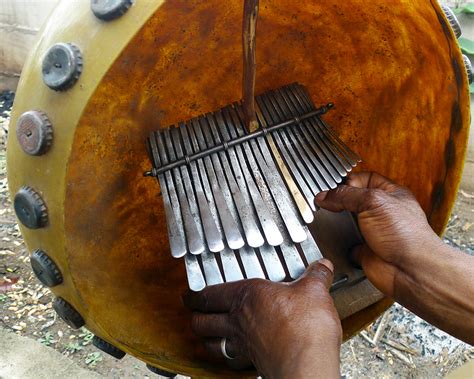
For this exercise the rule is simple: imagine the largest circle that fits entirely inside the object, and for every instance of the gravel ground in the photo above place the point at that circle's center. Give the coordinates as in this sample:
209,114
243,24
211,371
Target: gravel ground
399,344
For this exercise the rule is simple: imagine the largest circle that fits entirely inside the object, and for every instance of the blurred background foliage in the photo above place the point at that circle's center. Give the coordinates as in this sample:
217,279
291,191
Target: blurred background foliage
465,10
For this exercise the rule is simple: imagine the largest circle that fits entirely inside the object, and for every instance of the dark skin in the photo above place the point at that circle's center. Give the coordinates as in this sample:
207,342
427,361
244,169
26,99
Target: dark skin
293,330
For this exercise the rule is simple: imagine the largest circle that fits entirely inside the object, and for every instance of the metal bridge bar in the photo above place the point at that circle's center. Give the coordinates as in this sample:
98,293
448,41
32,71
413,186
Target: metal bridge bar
187,159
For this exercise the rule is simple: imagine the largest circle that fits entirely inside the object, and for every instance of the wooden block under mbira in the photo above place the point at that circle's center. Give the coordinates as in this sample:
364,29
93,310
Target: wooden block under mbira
336,234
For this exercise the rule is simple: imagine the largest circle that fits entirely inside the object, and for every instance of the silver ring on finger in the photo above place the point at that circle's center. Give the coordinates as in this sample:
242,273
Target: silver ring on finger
223,349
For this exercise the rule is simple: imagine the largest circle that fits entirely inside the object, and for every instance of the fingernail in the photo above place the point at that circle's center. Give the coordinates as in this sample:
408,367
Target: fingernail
320,197
327,263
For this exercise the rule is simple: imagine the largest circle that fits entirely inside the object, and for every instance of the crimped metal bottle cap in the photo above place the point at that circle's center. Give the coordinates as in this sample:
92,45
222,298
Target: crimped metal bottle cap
45,269
108,348
30,208
68,313
468,65
34,132
110,9
453,20
62,66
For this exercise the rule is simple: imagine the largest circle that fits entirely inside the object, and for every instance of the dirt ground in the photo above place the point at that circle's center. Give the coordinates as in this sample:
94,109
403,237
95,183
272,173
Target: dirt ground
399,344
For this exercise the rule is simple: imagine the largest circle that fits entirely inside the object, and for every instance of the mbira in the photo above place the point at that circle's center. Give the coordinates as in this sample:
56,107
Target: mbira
237,202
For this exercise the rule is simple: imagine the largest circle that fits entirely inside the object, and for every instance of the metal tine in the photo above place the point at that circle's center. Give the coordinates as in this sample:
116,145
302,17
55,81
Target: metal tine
173,217
323,140
212,235
229,261
327,158
270,229
247,255
244,208
252,267
347,153
330,175
294,150
272,263
305,189
310,248
302,94
270,258
229,225
232,271
302,100
274,182
209,262
290,254
195,243
194,273
319,173
300,149
353,156
196,279
273,160
293,260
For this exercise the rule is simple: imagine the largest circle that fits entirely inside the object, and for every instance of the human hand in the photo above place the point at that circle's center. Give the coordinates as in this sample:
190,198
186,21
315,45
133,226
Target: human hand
403,257
391,221
285,329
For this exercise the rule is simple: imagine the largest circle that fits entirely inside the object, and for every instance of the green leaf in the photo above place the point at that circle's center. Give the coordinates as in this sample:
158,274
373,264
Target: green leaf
471,88
86,336
93,358
47,339
74,347
467,9
467,45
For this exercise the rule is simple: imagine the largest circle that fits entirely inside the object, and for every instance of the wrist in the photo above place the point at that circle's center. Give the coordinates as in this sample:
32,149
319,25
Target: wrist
417,264
315,357
422,248
430,287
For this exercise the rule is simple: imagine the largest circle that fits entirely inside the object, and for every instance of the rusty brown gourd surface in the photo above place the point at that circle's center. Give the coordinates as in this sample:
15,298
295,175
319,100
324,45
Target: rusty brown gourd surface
392,68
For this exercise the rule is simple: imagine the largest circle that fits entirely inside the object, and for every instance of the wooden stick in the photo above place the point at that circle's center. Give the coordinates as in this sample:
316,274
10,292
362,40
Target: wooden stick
381,328
400,356
249,42
400,347
365,336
